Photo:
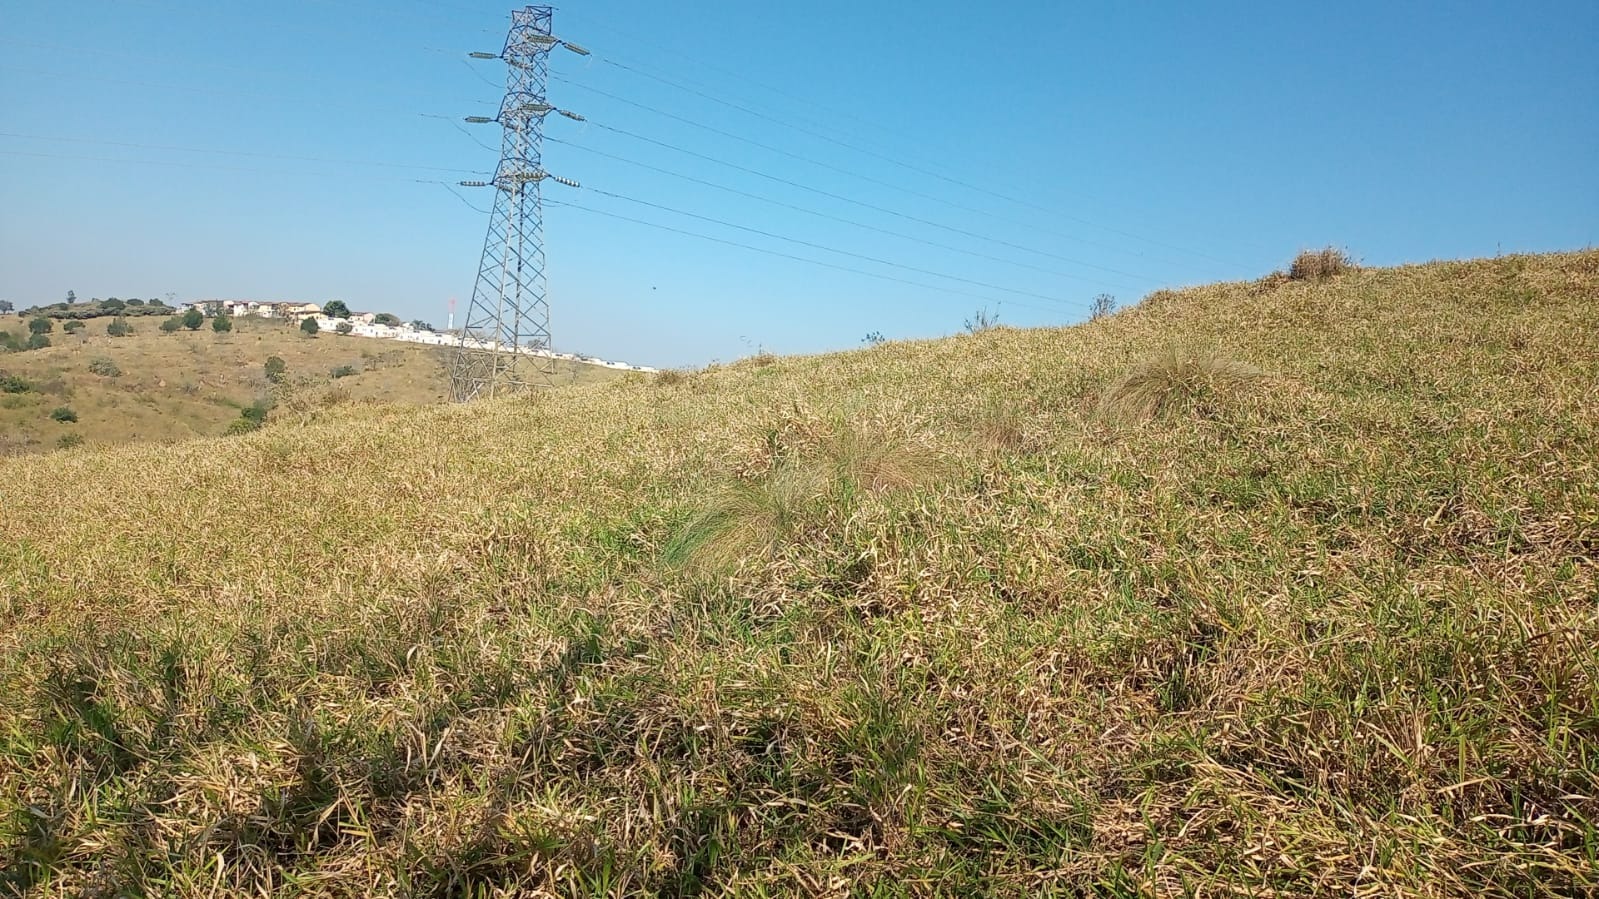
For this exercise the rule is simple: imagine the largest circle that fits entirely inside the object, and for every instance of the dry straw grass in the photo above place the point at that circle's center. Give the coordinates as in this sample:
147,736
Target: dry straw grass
1174,379
1319,265
1326,634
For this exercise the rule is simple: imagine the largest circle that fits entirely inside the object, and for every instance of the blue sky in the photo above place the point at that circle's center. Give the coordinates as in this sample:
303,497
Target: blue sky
1022,160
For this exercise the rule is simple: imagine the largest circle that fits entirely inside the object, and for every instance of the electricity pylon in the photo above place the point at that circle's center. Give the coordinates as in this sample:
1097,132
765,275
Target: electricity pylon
504,343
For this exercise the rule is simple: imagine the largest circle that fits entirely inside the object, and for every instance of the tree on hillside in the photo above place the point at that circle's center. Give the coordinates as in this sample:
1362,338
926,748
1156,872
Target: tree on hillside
72,297
119,327
40,325
1103,305
113,305
222,324
336,309
421,325
36,342
136,302
309,327
5,306
193,319
72,327
386,318
172,325
275,367
344,328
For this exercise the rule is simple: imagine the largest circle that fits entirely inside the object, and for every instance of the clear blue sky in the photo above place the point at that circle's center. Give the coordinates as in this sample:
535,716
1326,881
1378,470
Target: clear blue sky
272,150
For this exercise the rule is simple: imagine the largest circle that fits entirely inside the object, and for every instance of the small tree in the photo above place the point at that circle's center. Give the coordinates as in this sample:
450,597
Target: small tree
72,297
104,367
172,325
309,327
222,324
136,302
1103,305
72,327
336,309
6,306
275,367
421,325
193,319
63,414
344,328
36,342
874,338
119,327
113,305
982,320
386,318
40,325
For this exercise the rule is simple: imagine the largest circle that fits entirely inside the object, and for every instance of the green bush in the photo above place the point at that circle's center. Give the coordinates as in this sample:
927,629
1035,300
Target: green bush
275,368
343,371
40,325
119,327
309,327
68,441
15,384
103,367
344,328
72,327
193,319
63,414
222,324
172,325
36,342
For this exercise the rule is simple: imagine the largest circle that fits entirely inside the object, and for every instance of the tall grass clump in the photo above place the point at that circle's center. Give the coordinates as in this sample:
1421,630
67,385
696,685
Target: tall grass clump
1175,379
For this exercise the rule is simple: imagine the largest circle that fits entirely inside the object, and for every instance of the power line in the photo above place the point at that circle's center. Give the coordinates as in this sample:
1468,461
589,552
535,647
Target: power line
816,246
863,204
906,165
250,153
840,169
830,217
808,261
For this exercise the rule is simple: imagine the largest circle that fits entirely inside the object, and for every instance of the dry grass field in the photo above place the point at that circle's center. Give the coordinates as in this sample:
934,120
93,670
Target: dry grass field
1287,588
178,386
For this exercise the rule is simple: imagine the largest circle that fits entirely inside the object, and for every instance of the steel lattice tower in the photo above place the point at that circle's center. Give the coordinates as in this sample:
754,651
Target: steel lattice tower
504,343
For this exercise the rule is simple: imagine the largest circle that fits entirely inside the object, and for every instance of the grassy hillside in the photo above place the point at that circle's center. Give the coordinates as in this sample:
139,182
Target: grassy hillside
193,384
1261,589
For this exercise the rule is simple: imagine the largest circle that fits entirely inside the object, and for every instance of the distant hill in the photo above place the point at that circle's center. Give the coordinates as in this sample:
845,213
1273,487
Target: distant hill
1279,588
175,386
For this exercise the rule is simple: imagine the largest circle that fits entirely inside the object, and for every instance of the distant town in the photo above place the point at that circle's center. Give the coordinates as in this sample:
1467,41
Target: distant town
381,325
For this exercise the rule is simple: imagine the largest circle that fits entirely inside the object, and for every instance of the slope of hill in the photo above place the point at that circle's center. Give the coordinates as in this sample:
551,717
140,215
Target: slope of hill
178,386
1254,589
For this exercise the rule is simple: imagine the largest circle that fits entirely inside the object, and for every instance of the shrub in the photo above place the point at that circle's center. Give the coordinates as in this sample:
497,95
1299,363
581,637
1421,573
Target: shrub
982,320
10,344
72,327
343,371
193,319
36,342
119,327
172,325
40,325
344,328
1319,265
275,368
670,377
15,384
63,414
1171,380
336,309
309,327
1103,305
103,367
68,441
222,324
386,318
